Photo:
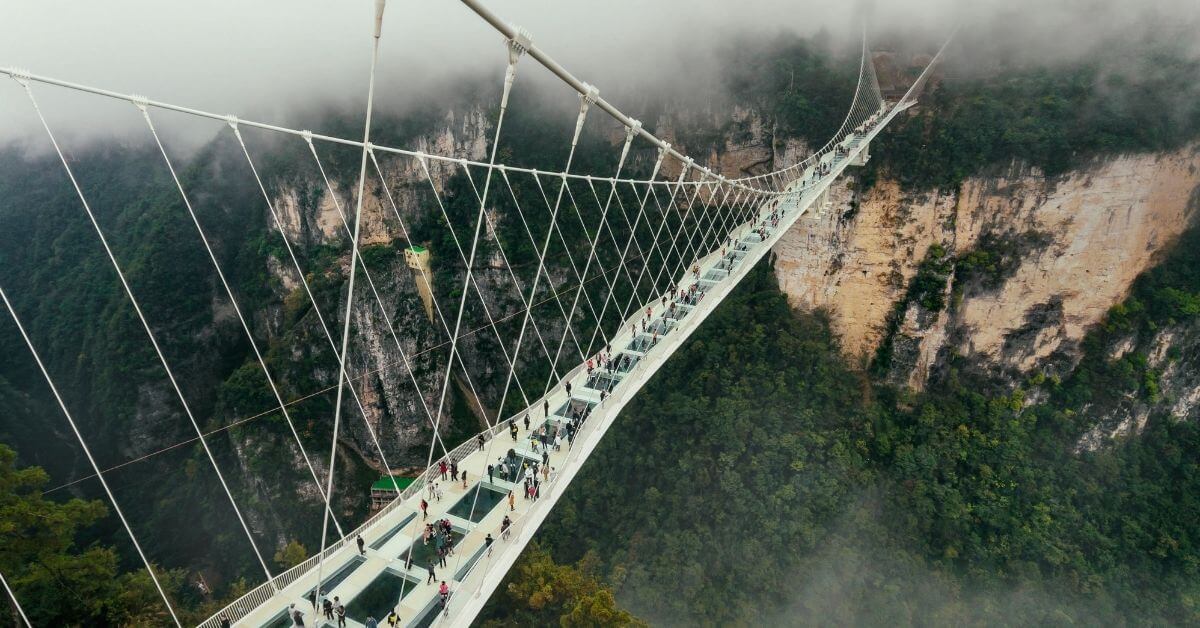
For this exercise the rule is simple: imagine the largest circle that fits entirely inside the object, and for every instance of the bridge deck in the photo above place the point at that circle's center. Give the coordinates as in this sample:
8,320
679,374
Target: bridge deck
370,584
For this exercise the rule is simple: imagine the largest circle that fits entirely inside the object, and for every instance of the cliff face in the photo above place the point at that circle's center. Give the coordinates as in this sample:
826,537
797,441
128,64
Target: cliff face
398,376
1071,247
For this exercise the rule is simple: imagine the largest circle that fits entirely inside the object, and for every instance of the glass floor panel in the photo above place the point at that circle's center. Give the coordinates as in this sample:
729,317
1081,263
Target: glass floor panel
381,596
602,381
279,621
641,344
547,427
428,615
469,563
475,509
575,407
340,575
626,363
513,463
677,313
424,553
381,541
661,326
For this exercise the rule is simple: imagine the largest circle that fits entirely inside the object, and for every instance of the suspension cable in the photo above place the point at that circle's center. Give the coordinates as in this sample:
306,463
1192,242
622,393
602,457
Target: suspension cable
362,181
149,333
236,308
91,460
16,603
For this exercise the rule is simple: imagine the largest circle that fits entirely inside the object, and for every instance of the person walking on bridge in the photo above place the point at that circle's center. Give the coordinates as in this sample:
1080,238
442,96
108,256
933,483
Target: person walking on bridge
361,545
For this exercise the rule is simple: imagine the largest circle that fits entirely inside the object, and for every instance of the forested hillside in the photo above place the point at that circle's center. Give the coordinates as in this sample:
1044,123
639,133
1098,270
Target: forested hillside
760,479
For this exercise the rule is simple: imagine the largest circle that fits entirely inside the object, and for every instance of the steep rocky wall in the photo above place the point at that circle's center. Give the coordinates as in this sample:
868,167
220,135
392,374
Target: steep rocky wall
1098,228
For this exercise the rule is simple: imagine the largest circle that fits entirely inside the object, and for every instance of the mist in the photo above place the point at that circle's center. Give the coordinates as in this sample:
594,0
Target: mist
271,59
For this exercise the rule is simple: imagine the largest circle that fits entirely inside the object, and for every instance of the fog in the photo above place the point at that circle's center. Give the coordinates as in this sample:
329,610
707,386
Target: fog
267,59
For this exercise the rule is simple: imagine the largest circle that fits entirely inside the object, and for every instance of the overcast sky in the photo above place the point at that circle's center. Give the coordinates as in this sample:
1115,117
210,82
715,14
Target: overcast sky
262,58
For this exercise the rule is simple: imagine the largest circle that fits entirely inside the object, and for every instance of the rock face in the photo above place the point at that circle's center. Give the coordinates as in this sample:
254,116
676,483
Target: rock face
1079,241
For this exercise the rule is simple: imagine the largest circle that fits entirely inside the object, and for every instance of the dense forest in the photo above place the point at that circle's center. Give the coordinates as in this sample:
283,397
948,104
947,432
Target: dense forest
758,479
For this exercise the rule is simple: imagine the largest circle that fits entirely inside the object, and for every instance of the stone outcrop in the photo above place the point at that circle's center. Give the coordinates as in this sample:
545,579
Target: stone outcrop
1098,228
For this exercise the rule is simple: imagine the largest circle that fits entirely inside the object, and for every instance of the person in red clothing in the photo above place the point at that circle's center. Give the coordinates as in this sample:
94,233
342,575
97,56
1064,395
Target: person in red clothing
442,467
424,510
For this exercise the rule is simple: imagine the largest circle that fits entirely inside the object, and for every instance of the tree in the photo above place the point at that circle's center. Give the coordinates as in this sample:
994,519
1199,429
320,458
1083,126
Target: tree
541,592
57,583
291,554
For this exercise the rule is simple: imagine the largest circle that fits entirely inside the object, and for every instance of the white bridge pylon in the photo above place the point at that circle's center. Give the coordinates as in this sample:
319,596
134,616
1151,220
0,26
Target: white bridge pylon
706,232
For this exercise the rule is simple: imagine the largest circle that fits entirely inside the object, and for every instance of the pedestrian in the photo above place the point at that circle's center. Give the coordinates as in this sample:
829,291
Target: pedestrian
393,619
526,421
546,407
297,616
424,510
362,551
370,623
491,473
444,592
327,608
464,478
504,527
225,622
546,471
480,441
442,468
512,502
568,388
432,573
487,542
341,614
545,458
454,471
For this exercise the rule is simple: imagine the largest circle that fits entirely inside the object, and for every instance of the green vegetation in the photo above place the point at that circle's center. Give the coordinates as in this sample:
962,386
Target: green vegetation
291,555
59,580
1121,99
539,592
757,480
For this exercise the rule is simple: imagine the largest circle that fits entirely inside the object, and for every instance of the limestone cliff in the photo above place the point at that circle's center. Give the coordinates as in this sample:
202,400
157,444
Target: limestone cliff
1076,241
